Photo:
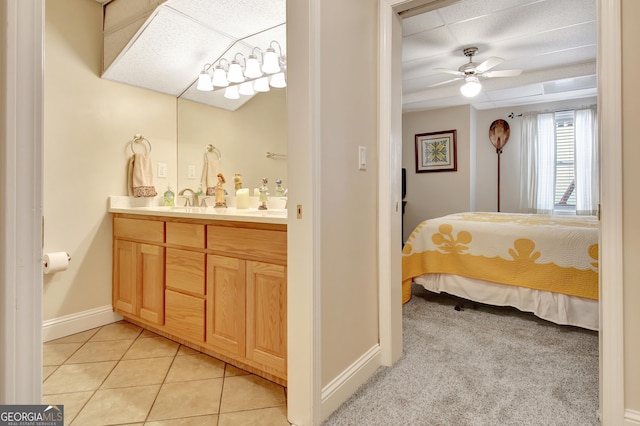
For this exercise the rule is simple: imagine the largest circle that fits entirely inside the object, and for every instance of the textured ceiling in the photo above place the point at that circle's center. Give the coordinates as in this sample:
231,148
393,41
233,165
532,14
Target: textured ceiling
552,41
170,49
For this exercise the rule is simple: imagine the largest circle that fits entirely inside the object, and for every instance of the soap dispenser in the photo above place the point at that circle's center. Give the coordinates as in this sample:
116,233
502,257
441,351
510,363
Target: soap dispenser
169,197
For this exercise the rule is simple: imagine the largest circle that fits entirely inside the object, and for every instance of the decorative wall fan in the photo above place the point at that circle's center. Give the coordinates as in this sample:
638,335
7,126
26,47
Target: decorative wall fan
471,72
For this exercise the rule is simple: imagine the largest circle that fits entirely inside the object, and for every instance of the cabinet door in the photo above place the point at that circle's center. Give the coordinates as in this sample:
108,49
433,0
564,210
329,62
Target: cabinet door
226,304
151,283
267,315
125,281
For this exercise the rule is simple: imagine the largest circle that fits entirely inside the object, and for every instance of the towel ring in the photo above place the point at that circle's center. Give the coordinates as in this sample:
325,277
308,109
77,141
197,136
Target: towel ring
211,148
139,139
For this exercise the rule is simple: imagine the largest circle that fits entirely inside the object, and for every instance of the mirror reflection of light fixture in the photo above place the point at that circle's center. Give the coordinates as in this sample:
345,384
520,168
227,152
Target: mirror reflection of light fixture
231,92
253,65
220,75
261,85
235,71
471,87
204,79
278,81
271,64
246,88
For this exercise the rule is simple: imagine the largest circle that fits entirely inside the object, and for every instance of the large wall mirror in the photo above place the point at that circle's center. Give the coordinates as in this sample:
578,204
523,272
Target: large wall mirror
249,134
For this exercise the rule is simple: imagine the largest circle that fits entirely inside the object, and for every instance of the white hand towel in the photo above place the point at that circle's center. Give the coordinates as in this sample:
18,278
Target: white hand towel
141,176
210,172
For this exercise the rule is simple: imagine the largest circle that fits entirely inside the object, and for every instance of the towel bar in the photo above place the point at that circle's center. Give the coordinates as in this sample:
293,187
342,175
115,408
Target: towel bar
139,139
276,156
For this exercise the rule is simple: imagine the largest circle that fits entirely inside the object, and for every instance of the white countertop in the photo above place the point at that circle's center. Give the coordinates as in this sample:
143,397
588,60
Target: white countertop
152,207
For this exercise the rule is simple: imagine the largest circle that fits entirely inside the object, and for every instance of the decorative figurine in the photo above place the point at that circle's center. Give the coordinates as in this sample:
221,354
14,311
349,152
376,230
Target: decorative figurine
263,195
237,180
280,191
220,192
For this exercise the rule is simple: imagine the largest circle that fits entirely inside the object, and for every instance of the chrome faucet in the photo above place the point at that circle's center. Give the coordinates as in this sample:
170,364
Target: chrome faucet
188,202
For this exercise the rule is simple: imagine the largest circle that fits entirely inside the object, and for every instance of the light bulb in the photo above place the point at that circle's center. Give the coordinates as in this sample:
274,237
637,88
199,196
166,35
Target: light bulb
220,77
246,88
235,73
204,82
278,81
231,92
271,64
471,88
261,85
253,67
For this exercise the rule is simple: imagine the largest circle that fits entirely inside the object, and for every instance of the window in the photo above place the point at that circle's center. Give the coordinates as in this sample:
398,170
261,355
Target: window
565,182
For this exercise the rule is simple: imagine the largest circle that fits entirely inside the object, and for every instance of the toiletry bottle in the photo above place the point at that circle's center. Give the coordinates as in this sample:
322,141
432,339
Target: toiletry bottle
200,193
169,197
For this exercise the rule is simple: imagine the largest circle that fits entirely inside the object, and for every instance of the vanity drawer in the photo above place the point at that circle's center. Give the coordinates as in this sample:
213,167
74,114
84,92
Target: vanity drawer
138,229
185,271
248,243
186,234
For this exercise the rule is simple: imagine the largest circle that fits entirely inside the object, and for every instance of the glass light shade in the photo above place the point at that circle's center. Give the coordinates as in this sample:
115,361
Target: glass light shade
471,88
204,82
278,81
235,73
220,77
231,92
246,88
261,85
271,64
253,67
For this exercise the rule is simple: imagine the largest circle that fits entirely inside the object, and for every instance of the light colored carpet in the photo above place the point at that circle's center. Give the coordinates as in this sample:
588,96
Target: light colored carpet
481,365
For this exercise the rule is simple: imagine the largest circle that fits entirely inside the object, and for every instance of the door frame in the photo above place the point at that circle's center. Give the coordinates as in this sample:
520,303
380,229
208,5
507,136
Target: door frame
610,115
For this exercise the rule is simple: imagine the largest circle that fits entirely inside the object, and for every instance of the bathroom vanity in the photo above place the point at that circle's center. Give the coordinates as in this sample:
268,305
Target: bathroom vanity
212,279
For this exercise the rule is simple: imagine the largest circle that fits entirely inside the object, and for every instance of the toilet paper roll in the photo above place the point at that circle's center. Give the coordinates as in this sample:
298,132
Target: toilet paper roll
56,261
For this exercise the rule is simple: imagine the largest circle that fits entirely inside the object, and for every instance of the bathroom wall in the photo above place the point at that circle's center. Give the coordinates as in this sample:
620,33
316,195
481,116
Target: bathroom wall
243,137
88,123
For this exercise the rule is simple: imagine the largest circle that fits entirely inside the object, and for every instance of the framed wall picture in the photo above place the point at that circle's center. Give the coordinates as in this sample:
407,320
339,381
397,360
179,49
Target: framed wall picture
436,152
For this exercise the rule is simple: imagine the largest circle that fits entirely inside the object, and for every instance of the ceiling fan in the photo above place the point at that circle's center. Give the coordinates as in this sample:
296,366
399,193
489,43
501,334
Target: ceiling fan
471,72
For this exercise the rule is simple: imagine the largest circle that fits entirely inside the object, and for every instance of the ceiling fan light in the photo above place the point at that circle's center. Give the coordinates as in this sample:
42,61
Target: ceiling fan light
204,82
471,88
261,85
220,77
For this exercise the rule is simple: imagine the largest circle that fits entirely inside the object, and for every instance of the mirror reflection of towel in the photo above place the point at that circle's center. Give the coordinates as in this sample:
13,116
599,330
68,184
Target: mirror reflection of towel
210,172
140,176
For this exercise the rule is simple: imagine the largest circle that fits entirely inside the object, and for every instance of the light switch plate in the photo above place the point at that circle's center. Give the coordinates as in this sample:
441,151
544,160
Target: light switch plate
191,171
362,158
162,170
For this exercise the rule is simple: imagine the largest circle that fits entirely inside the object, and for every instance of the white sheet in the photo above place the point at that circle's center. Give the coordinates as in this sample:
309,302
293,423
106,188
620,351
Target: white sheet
554,307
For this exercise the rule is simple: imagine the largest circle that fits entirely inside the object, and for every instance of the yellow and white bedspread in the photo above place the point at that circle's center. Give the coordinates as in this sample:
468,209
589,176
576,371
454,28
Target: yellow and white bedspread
558,254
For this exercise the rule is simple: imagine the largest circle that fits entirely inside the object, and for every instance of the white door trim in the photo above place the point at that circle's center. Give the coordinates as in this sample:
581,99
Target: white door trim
21,206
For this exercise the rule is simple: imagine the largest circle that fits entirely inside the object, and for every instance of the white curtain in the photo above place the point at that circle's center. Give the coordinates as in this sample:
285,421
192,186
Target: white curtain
587,162
537,163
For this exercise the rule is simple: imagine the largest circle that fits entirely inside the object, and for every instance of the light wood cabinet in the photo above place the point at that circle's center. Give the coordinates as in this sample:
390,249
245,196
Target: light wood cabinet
138,280
217,286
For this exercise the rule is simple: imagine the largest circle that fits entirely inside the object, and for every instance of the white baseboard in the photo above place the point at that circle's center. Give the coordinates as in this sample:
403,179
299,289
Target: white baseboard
344,385
75,323
631,418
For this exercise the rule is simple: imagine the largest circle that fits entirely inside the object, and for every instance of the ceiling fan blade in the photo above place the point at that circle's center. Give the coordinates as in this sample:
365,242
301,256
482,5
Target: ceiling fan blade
446,82
448,71
489,63
502,73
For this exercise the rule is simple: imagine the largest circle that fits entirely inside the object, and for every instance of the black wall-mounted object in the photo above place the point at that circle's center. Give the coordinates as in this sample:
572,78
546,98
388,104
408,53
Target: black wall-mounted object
404,183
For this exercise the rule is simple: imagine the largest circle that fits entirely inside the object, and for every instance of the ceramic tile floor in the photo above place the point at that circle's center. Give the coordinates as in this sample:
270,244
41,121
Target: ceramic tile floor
120,374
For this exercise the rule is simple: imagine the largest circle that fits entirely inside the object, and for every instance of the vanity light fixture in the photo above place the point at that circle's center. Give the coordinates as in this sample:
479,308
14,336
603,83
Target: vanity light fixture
471,87
247,76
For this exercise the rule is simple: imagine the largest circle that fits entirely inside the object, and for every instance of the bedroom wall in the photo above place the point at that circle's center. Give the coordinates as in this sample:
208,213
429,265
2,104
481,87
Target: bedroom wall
475,184
437,194
87,124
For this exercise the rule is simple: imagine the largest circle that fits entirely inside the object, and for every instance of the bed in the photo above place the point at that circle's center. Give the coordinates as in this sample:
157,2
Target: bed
544,264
